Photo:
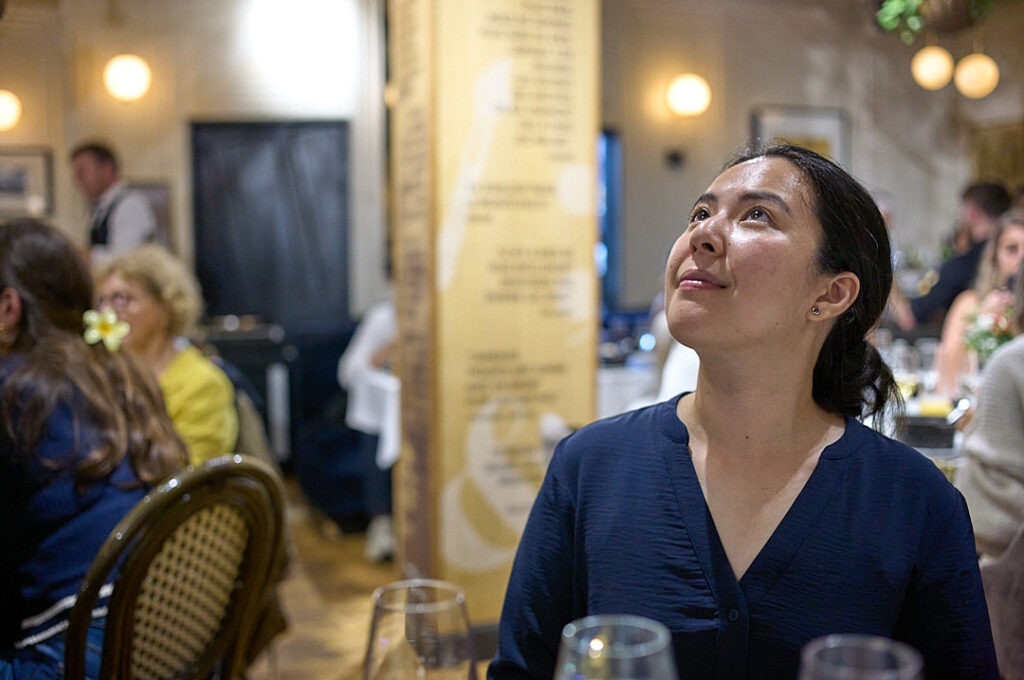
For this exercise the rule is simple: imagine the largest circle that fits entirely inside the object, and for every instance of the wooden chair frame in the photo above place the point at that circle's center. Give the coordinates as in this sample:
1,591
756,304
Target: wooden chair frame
246,485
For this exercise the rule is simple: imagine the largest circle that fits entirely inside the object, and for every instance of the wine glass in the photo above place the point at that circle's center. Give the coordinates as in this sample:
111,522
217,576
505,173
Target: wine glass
859,657
615,647
420,629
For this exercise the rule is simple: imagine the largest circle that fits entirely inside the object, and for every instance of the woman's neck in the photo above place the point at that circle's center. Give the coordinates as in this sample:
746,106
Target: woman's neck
157,354
761,408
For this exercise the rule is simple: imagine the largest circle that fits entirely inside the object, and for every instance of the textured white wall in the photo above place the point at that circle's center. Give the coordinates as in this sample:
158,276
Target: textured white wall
905,140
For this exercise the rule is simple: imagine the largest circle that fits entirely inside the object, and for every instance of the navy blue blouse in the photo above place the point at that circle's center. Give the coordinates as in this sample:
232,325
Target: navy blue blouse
877,542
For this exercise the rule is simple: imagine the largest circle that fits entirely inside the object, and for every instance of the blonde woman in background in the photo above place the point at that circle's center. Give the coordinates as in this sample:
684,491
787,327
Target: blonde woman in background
1001,258
159,297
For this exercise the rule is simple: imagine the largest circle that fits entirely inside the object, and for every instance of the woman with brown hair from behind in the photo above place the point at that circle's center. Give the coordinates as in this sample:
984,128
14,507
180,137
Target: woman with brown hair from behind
83,436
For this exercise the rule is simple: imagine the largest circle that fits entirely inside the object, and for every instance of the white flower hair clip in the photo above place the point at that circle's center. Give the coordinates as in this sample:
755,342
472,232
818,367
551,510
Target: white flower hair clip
104,325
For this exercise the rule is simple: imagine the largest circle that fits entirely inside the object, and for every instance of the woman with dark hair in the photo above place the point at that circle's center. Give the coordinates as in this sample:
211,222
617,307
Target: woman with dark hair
757,513
83,436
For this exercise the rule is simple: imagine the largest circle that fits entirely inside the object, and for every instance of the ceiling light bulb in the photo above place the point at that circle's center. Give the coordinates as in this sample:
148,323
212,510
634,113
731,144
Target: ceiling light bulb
976,75
932,67
10,110
689,95
127,77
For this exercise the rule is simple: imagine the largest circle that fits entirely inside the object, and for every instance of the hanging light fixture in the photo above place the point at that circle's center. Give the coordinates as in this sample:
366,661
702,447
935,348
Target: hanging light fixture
976,75
10,110
689,95
932,67
127,77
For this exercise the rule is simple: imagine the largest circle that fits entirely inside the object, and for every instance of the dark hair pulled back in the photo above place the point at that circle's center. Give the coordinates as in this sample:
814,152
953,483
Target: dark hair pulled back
850,377
107,389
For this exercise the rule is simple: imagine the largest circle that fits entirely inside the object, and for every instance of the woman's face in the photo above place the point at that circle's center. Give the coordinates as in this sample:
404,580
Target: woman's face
744,269
1010,250
146,315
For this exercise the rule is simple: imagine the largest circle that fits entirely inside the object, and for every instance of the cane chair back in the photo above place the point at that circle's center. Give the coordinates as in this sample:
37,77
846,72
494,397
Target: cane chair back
193,565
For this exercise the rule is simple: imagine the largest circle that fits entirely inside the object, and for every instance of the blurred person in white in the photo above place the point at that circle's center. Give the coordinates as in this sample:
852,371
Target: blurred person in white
119,218
1001,259
369,352
991,478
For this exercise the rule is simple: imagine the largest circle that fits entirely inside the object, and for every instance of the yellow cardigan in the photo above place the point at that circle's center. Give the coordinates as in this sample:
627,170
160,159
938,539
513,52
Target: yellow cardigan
201,403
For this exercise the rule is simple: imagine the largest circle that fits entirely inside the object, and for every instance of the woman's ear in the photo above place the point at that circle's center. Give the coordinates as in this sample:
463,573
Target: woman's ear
10,308
840,292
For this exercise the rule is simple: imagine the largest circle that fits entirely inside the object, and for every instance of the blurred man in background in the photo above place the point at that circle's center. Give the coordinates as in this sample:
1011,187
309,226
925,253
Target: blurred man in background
119,218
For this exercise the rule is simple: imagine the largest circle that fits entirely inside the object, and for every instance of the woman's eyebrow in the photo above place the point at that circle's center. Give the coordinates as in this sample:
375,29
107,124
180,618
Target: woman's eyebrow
767,197
706,197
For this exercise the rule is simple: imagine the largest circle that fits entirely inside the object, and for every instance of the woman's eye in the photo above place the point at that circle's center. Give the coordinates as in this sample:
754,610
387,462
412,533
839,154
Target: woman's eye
757,214
699,214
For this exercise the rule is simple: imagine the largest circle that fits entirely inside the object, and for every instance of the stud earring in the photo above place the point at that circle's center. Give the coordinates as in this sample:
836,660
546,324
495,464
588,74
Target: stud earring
815,311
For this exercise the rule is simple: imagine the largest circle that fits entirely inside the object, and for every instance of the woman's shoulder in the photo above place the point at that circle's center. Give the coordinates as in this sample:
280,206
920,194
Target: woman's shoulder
193,372
895,470
1007,357
614,441
9,363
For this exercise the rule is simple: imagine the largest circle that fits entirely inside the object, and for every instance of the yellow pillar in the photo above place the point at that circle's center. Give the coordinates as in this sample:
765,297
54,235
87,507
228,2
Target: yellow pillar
493,147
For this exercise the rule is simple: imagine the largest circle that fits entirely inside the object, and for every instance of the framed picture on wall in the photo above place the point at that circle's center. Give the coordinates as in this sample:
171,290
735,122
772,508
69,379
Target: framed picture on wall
819,128
26,181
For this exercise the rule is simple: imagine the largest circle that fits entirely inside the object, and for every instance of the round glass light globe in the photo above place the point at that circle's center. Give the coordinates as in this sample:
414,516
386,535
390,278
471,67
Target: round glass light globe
932,67
127,77
976,75
10,110
689,95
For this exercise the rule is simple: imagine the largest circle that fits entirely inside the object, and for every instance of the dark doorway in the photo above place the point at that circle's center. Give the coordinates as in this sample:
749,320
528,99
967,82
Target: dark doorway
271,220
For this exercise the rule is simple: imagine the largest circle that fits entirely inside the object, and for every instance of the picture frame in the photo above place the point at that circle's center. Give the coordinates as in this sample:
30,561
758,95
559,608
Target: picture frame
26,181
823,129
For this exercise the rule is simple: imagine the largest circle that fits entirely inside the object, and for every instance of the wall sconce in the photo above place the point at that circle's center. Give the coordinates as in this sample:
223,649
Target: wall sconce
688,95
127,77
932,67
976,75
10,110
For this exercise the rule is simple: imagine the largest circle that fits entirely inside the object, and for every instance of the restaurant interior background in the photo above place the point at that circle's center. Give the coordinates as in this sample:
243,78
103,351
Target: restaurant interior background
314,70
317,68
260,60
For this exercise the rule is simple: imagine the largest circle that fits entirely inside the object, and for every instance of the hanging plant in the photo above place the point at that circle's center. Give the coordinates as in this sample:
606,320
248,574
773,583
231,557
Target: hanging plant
907,18
902,16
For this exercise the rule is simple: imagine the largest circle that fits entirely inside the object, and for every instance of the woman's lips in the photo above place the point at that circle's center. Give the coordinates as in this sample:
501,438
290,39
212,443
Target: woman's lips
695,279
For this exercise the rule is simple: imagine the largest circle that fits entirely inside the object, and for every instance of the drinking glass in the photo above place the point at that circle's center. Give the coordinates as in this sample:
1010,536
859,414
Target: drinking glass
420,629
615,647
859,657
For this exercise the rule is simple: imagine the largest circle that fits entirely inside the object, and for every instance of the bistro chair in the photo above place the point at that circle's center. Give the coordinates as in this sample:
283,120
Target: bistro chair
196,562
1003,579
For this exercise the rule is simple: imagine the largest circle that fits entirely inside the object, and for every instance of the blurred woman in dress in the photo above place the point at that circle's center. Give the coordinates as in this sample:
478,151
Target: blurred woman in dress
757,513
999,262
83,436
156,294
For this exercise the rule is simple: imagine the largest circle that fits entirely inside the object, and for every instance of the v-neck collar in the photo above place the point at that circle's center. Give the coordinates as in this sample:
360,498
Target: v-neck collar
784,542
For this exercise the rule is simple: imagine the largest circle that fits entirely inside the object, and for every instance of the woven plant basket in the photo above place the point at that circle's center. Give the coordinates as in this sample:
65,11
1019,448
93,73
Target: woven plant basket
948,16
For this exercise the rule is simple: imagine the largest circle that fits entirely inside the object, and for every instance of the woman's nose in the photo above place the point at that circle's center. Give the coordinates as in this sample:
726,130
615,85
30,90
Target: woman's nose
707,237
